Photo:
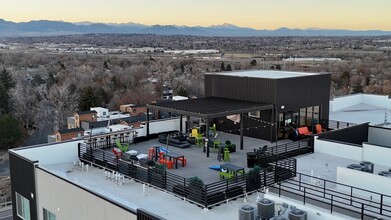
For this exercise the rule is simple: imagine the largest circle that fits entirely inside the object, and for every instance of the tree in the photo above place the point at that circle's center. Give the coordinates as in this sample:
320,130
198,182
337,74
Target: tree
222,66
253,62
6,84
5,105
228,68
11,132
182,92
357,88
105,65
6,79
88,99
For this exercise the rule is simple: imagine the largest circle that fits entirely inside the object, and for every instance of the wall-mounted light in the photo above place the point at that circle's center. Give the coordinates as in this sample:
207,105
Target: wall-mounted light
282,106
32,195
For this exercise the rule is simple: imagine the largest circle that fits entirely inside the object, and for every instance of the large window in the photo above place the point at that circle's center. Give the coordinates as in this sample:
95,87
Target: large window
47,215
22,207
255,114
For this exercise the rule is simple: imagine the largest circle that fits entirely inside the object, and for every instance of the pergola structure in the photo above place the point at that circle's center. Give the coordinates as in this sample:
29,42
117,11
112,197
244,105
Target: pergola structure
212,107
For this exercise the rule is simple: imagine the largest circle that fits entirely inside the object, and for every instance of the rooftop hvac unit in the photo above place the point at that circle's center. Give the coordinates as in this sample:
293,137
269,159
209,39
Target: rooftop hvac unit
367,166
297,214
385,173
355,167
247,212
265,208
279,218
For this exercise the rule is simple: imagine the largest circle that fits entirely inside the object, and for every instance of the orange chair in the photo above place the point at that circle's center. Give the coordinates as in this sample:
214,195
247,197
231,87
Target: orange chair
319,129
169,164
303,131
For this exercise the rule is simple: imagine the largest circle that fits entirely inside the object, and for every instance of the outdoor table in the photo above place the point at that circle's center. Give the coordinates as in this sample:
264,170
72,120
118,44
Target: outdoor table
232,168
175,157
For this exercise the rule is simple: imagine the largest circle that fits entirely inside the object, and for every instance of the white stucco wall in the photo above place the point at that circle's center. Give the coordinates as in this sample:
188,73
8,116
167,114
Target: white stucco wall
338,149
62,152
379,136
382,101
377,154
67,201
363,180
159,126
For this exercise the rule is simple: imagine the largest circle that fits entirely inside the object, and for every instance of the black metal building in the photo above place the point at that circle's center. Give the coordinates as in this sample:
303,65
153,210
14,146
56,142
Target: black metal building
300,99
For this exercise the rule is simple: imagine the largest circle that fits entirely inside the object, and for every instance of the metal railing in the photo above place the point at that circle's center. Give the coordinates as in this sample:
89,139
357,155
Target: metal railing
204,195
336,195
283,151
339,124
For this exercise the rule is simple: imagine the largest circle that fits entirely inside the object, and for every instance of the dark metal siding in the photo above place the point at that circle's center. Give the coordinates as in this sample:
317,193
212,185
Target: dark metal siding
292,93
240,88
354,135
23,182
306,91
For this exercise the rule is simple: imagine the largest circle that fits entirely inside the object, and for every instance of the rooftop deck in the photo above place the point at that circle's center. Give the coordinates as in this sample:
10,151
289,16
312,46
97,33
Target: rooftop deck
197,162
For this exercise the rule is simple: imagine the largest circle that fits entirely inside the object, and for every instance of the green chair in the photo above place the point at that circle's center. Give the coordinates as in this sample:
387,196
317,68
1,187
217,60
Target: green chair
226,155
199,141
123,148
225,175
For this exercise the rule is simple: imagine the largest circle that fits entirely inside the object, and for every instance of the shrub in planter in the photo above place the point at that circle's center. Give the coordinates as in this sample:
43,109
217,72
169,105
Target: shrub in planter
196,190
253,181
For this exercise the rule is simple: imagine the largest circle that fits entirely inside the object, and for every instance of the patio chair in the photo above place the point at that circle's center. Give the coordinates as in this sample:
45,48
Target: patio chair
319,129
117,153
123,147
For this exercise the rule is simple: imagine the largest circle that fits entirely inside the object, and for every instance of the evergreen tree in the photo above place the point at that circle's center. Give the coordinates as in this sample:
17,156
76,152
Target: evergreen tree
11,132
182,92
228,68
105,65
6,79
222,66
253,62
88,99
6,84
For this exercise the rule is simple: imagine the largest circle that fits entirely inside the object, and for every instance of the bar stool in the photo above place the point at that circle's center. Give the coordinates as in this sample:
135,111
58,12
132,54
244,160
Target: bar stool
226,155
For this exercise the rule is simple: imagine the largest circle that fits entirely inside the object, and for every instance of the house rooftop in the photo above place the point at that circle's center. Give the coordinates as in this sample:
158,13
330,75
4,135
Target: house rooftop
86,112
268,74
72,130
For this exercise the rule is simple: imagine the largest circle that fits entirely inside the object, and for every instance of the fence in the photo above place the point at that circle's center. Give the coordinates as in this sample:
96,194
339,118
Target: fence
333,195
204,195
284,151
339,124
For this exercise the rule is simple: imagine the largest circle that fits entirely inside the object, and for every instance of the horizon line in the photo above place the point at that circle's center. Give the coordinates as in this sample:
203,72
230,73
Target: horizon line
183,25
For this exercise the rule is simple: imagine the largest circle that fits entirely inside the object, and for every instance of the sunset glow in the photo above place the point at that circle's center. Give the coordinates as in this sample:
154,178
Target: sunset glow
258,14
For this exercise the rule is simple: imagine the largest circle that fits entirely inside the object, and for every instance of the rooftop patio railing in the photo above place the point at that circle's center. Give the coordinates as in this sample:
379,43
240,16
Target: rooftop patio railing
360,203
283,151
204,195
339,124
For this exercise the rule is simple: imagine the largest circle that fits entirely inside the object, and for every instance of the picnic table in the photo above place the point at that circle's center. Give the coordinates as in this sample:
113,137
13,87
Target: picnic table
232,170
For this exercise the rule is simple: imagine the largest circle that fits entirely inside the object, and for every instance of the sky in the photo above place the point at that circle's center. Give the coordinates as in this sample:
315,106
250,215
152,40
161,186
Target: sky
258,14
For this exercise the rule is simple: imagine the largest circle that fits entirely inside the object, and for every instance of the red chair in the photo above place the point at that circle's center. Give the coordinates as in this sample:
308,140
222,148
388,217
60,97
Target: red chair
117,152
183,161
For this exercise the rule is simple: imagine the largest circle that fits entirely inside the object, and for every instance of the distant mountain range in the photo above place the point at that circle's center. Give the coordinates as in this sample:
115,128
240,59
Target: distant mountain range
45,28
